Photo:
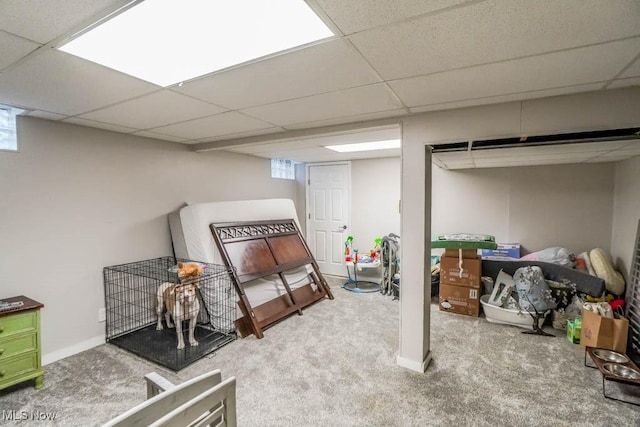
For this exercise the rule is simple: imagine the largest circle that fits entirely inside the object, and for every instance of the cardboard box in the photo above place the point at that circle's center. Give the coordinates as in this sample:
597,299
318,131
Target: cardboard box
603,332
471,271
466,253
459,299
509,250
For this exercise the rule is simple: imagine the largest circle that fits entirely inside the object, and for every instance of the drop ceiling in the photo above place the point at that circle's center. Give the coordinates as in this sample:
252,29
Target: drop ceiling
592,152
388,59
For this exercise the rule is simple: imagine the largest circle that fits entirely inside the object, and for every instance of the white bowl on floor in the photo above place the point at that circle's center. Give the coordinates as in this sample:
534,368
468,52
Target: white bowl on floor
507,316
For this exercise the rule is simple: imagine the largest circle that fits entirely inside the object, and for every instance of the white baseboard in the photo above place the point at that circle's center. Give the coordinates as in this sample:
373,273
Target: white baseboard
71,350
413,365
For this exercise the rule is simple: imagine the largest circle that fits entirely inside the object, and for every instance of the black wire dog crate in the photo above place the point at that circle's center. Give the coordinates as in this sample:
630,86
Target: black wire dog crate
132,292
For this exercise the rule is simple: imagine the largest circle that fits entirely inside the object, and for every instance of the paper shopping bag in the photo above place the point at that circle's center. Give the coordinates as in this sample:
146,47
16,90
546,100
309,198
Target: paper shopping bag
603,332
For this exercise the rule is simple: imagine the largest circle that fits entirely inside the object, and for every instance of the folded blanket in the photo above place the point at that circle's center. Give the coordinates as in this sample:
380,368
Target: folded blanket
604,269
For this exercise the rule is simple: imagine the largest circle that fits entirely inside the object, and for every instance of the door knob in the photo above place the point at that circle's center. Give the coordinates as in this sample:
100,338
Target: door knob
344,227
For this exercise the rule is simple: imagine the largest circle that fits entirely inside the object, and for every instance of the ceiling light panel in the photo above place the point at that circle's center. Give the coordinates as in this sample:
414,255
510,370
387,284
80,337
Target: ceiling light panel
365,146
167,42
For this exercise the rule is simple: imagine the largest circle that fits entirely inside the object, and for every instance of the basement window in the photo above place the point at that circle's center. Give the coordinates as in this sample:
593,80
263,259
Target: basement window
8,132
283,168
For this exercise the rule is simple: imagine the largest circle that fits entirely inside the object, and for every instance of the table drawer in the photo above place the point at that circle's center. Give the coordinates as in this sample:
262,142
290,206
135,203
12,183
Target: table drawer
16,323
18,366
16,344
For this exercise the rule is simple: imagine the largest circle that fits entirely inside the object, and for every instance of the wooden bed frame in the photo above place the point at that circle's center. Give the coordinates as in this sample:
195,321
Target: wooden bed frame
255,249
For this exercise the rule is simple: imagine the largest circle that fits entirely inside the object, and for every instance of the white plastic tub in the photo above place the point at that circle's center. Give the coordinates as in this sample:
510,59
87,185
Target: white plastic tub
507,316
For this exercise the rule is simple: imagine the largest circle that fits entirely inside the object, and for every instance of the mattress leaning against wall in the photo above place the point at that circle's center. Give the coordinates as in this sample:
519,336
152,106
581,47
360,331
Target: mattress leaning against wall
192,238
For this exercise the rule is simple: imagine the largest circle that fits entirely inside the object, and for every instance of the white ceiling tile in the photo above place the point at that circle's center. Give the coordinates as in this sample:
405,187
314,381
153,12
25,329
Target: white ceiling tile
306,157
363,135
634,69
377,154
44,20
325,67
619,83
61,83
44,115
156,135
254,149
470,35
541,155
454,156
323,155
228,123
14,48
313,149
99,125
322,141
350,102
560,150
350,119
459,165
498,163
289,154
438,163
153,110
258,132
354,16
507,98
513,157
568,68
614,156
632,147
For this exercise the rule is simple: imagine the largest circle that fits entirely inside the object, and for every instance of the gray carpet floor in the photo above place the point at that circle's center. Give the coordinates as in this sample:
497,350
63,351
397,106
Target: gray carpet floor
335,366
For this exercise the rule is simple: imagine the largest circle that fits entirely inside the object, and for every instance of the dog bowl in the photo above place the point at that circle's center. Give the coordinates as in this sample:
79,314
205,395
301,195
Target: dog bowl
610,356
621,371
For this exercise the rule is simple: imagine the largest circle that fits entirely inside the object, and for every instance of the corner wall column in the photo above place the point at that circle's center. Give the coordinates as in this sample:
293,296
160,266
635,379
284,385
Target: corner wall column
415,247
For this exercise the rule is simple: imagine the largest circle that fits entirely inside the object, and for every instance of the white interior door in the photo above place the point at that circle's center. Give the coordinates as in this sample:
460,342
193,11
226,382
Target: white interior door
328,215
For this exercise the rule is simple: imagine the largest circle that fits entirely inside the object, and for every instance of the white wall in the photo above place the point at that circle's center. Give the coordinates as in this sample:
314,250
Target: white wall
626,213
74,200
538,206
375,194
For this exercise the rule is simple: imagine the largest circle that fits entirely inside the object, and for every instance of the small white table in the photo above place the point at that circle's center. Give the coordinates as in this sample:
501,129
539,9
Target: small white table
355,285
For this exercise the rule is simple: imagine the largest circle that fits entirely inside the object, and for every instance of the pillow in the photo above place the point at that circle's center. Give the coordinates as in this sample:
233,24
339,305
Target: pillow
604,269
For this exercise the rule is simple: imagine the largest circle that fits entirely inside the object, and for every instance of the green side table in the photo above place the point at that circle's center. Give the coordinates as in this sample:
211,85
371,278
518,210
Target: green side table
20,352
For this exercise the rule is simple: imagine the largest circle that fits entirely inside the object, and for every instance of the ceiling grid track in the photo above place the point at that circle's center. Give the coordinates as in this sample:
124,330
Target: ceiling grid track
621,72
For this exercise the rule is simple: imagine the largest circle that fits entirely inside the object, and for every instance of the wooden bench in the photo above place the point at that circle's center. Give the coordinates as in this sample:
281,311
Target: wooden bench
202,401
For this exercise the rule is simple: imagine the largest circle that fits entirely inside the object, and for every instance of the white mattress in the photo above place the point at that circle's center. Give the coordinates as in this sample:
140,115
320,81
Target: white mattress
192,238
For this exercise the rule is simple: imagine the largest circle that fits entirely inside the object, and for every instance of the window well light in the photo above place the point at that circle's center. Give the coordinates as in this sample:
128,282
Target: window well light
365,146
167,42
8,127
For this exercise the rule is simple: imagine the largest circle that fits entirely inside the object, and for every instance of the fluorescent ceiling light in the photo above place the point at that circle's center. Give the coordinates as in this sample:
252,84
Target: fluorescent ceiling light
167,41
365,146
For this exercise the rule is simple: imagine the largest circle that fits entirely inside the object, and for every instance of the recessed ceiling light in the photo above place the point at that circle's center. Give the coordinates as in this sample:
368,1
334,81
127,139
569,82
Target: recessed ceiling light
365,146
167,41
